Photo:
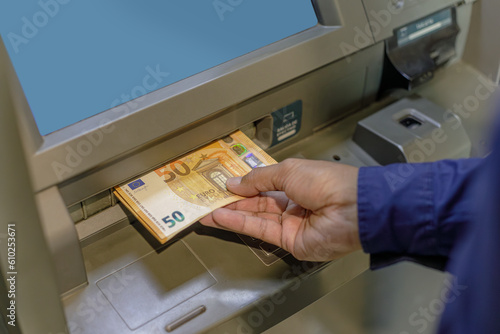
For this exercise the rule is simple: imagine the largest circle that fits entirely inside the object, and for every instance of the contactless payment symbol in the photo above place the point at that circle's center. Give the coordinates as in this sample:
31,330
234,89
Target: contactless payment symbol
136,184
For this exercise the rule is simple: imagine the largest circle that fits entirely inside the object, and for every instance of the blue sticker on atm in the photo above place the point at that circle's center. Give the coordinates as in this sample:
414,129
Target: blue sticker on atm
286,122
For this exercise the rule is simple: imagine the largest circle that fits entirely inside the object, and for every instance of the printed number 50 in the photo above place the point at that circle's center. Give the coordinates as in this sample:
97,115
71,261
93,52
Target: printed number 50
177,217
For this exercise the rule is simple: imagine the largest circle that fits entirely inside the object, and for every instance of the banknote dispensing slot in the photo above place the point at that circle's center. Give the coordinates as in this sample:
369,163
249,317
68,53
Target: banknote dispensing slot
94,216
174,196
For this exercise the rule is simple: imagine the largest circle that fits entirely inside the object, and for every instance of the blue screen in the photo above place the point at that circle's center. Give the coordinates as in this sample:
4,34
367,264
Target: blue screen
77,58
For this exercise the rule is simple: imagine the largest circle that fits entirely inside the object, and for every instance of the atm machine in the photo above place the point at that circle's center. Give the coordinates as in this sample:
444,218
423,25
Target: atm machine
361,82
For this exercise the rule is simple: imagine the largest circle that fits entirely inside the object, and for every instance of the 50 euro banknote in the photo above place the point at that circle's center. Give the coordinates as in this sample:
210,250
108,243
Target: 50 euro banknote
171,198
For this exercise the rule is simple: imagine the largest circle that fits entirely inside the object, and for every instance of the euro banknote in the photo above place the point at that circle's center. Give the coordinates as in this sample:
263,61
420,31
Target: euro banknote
176,195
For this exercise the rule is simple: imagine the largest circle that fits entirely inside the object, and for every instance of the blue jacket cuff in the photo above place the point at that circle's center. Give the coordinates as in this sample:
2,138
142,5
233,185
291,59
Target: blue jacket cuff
416,210
395,209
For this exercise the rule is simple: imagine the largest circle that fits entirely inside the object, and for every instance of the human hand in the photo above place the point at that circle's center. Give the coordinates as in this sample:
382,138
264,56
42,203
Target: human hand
308,208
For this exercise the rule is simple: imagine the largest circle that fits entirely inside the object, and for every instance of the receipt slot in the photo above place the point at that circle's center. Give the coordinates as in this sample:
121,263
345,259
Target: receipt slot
417,49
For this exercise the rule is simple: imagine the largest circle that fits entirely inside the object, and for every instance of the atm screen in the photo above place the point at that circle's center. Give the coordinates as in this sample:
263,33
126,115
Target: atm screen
76,59
424,27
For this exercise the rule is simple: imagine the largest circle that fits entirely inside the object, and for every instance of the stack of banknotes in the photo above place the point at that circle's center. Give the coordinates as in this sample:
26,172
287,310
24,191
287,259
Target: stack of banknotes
171,198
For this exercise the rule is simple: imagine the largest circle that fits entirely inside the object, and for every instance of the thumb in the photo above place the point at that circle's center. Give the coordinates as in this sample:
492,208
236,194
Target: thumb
259,180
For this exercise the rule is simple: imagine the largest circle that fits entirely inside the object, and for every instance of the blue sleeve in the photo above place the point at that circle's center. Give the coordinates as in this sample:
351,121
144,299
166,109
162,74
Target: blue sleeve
415,212
473,299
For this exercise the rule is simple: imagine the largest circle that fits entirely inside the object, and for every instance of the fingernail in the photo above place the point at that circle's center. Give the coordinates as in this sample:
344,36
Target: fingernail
233,182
